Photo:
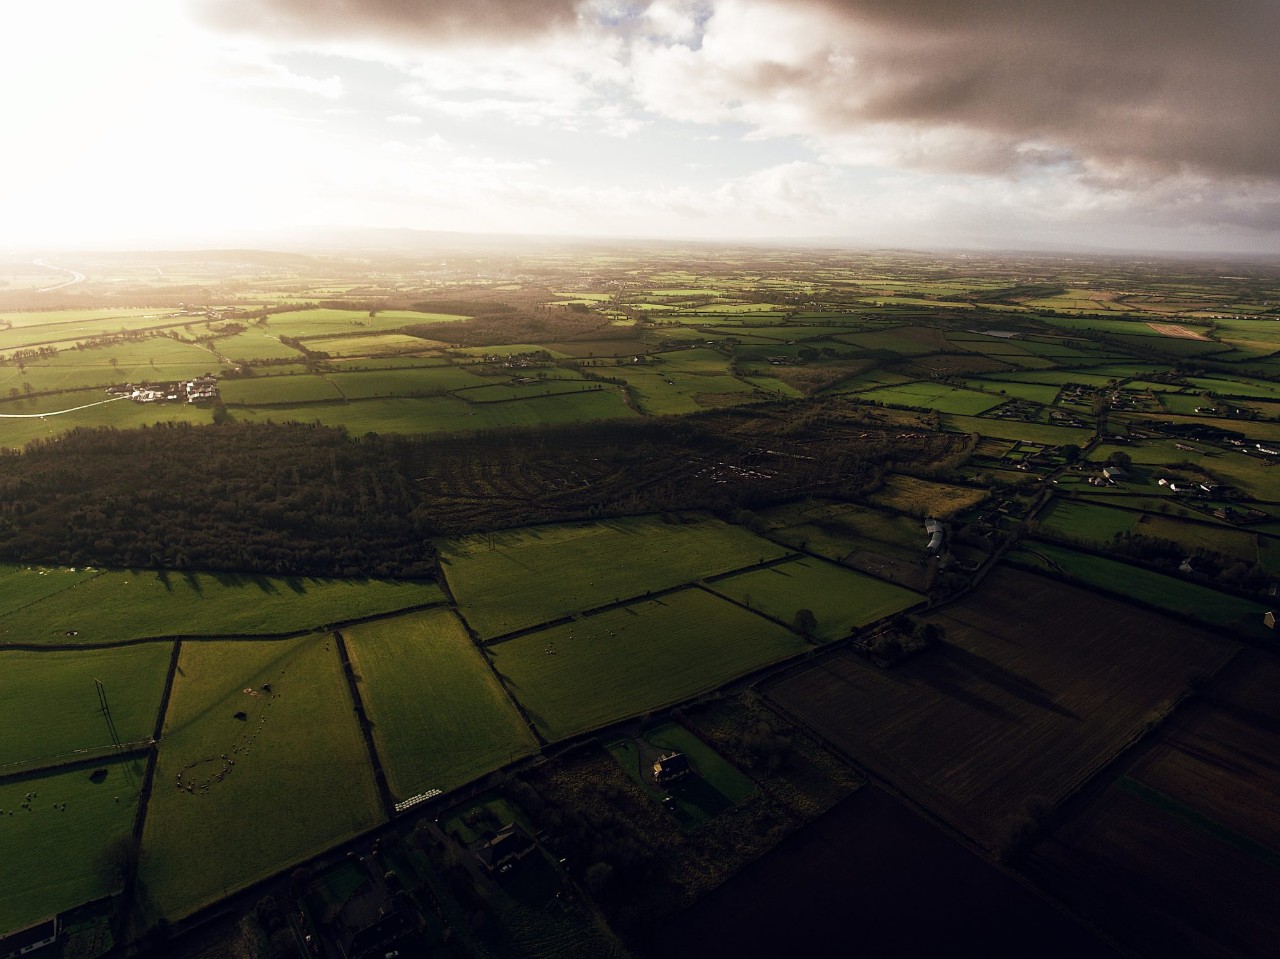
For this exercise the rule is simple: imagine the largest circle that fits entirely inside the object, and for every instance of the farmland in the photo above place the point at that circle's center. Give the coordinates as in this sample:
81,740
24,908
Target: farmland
98,811
238,816
1174,595
109,606
440,718
966,728
552,503
1191,818
49,706
516,579
840,599
635,658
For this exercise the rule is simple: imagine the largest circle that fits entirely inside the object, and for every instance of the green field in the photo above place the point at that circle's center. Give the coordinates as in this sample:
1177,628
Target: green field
520,578
934,396
1015,430
1041,393
301,779
419,381
440,717
1167,592
114,605
155,359
49,706
51,856
841,599
632,659
308,388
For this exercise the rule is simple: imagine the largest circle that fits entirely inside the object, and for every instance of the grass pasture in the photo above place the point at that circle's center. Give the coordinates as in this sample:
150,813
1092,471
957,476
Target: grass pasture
440,717
268,390
51,854
49,709
1016,430
934,396
116,605
841,600
1002,712
632,659
519,578
300,782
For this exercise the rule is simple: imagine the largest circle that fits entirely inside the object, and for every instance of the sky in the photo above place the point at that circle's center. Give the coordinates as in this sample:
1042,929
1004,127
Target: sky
929,124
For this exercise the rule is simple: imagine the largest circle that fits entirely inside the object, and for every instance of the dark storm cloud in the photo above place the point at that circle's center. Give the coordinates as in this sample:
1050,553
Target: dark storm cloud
426,21
1169,84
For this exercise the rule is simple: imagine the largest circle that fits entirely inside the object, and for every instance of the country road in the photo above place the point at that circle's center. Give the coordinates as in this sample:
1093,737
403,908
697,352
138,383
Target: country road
76,276
32,416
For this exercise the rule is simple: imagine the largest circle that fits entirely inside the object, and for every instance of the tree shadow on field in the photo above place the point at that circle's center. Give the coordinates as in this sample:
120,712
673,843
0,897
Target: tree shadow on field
193,581
955,668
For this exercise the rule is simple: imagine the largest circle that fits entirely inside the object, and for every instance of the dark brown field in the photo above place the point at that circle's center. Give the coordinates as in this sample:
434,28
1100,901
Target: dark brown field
1182,849
1036,687
871,878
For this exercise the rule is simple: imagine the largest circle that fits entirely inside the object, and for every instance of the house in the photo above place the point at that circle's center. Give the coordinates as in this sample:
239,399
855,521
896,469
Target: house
505,849
671,767
27,940
1269,619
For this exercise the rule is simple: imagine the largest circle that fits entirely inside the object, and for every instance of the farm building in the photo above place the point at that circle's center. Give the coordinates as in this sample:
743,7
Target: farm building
1269,619
25,941
671,767
509,846
1115,473
934,528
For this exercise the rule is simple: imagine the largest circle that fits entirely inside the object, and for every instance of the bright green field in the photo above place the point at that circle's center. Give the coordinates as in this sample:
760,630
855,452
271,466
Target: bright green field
1086,522
841,599
307,388
1035,392
49,707
1167,592
424,380
671,392
50,856
301,780
593,671
934,396
155,359
325,322
440,717
1015,430
120,604
368,344
519,578
122,414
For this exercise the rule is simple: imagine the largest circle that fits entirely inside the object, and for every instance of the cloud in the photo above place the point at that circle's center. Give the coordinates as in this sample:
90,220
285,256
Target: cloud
431,22
990,85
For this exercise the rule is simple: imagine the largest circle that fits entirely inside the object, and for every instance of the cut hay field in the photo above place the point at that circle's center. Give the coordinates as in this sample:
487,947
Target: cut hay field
907,494
49,707
1167,592
370,344
1002,711
632,659
1181,853
301,779
51,855
841,600
440,717
117,605
327,322
519,578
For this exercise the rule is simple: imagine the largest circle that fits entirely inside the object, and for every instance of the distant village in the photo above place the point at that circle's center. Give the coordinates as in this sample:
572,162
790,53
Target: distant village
200,390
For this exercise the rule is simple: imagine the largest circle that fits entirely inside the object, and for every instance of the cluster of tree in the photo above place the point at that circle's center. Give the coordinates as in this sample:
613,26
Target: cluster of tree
246,497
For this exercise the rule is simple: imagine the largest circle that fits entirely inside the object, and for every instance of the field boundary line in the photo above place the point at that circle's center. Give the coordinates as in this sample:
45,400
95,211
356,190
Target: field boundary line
366,728
224,637
136,749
